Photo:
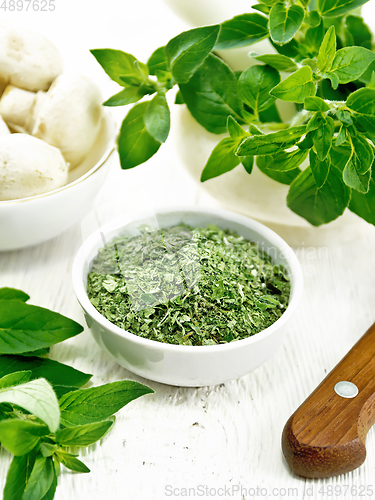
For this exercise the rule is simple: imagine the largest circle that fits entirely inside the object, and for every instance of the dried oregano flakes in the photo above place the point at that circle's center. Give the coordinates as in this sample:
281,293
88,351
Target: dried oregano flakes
188,286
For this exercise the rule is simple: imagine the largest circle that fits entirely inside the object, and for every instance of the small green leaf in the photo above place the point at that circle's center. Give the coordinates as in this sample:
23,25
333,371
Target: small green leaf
235,130
313,18
254,87
48,449
211,95
359,31
18,377
296,87
277,61
86,406
187,51
270,143
319,168
242,30
179,98
129,95
119,64
261,8
21,436
157,118
315,104
327,51
40,480
135,144
364,204
285,161
38,398
323,135
349,64
18,474
307,142
341,136
344,117
313,41
286,177
248,163
71,462
334,8
285,22
362,101
355,180
83,435
13,294
363,153
222,159
27,328
157,61
318,206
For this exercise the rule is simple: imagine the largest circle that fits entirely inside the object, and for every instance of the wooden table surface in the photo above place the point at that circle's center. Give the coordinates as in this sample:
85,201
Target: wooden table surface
208,442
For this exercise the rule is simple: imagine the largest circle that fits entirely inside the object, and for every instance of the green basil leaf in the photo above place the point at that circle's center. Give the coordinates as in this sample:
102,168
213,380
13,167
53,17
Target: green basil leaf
277,61
318,205
135,144
286,177
290,49
366,125
364,204
157,118
319,168
323,136
40,480
270,143
363,153
315,104
187,51
222,159
21,436
296,87
285,22
235,130
354,179
48,449
362,101
313,18
91,405
334,8
72,463
315,122
18,474
15,378
349,64
307,142
13,294
38,398
359,31
344,117
211,95
242,30
254,87
327,51
285,161
129,95
53,371
83,435
313,41
248,163
119,64
27,328
261,7
341,136
157,61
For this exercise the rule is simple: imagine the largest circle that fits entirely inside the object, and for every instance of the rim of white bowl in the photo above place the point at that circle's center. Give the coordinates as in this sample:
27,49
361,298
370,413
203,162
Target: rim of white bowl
103,159
296,276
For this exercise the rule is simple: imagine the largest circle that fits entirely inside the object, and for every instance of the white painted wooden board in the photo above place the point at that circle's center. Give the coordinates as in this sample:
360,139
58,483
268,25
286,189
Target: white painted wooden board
223,437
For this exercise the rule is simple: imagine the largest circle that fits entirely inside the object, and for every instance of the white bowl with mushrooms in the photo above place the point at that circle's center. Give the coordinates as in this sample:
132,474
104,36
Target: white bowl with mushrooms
56,141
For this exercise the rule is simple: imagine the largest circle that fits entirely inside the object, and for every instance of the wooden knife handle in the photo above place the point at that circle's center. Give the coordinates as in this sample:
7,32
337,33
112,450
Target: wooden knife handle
326,435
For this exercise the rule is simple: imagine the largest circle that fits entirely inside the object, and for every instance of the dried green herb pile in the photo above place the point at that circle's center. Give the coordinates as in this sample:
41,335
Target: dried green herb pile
188,286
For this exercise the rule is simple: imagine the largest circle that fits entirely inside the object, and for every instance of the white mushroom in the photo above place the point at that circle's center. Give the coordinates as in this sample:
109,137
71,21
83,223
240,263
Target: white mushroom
29,166
68,116
4,130
27,59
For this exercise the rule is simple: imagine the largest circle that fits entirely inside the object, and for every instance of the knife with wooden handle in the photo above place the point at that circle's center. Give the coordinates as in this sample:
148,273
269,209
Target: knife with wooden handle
326,435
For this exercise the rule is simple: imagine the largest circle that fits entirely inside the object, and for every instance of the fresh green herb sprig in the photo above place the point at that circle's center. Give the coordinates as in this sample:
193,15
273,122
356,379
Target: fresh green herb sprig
41,419
188,286
326,48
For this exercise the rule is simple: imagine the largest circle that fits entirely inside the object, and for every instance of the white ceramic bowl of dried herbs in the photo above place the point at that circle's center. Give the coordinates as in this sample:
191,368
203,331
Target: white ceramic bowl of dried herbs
187,296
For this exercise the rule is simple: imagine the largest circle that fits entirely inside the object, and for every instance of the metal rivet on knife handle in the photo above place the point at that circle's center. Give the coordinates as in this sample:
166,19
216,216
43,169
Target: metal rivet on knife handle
326,435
